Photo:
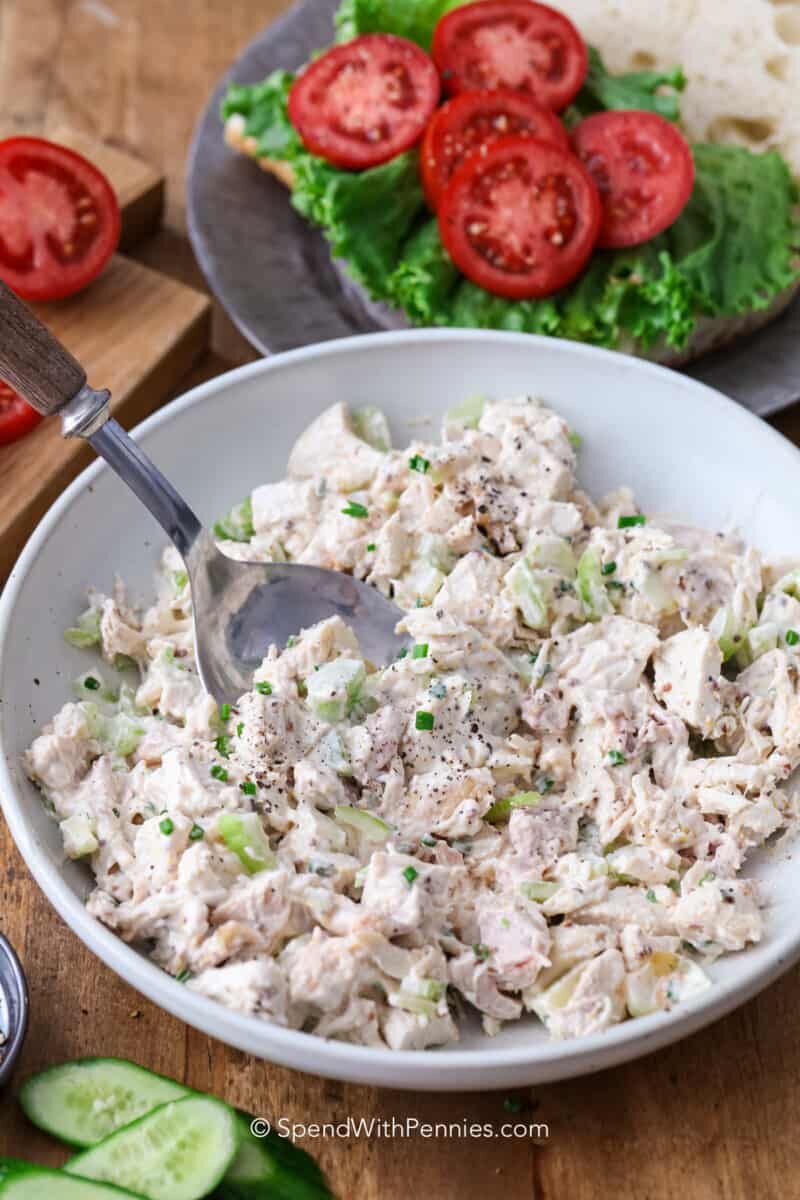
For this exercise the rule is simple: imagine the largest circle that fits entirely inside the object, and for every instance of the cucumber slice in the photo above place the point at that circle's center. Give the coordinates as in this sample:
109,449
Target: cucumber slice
24,1181
84,1101
179,1151
271,1168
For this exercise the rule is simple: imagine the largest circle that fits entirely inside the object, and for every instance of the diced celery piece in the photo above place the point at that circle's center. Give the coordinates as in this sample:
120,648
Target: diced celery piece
433,549
413,1003
501,809
370,424
244,834
553,552
657,558
467,414
334,689
79,836
369,826
790,583
656,592
331,752
86,631
762,638
532,592
539,890
591,589
723,629
237,525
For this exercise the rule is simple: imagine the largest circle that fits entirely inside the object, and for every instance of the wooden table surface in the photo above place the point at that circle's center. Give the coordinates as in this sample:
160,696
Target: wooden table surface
714,1116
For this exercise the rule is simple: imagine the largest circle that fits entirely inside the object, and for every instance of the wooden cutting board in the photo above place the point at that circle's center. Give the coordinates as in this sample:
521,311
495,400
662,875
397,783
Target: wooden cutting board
136,331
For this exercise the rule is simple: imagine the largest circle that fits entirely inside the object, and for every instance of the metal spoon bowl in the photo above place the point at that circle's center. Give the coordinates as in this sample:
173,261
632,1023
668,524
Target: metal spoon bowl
13,1010
240,609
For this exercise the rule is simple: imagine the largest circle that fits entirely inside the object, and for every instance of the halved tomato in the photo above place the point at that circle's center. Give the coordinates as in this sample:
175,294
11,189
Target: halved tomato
511,43
522,219
16,416
475,119
59,219
644,171
365,101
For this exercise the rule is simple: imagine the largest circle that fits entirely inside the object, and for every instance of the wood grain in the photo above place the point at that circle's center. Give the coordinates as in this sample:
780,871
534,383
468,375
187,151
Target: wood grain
710,1118
136,332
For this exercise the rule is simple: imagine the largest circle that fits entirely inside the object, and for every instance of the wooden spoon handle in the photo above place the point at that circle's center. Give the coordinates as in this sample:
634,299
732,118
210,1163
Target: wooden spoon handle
32,360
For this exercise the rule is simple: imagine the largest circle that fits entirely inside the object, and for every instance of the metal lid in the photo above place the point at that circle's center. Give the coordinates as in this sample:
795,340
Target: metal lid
13,1009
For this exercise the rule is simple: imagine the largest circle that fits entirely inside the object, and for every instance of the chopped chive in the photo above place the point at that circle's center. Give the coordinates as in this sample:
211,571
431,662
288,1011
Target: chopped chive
240,729
302,688
481,951
707,878
674,885
402,652
410,874
424,720
608,568
616,758
223,744
218,772
420,650
264,688
650,895
545,784
196,833
180,580
370,547
575,439
290,641
167,826
91,684
428,840
248,788
184,976
224,712
418,463
629,522
792,637
354,509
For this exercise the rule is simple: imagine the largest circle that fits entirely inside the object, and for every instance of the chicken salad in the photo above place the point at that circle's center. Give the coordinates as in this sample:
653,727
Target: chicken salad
542,806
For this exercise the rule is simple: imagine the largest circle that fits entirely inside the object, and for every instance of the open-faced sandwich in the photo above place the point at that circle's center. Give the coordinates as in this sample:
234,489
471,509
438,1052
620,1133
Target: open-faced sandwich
477,165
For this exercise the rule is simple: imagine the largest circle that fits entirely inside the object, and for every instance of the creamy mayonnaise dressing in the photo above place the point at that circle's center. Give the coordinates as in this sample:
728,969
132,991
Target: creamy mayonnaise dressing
543,807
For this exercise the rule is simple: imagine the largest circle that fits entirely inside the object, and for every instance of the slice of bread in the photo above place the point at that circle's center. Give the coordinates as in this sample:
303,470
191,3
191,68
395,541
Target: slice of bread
710,333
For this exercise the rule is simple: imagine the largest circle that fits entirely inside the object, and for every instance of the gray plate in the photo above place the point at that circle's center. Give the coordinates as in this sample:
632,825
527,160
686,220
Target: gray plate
273,272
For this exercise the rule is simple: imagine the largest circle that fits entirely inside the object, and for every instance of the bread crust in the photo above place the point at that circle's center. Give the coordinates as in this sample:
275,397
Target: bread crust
710,333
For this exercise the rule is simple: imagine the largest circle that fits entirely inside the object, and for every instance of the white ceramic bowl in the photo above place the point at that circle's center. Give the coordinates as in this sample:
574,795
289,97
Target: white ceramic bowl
685,450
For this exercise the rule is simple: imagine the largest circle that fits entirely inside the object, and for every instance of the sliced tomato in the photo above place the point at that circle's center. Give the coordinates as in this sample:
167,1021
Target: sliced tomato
522,219
511,43
475,119
644,171
16,416
59,219
366,101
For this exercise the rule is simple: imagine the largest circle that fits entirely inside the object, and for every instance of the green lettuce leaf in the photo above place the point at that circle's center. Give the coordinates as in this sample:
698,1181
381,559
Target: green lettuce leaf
732,250
637,89
412,19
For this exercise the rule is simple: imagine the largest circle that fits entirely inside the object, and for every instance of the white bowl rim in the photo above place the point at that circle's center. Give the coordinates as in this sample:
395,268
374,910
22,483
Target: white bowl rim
451,1069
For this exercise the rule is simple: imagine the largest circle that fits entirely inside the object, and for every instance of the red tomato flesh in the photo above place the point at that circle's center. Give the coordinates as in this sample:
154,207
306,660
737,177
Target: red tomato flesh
522,219
644,171
366,101
16,416
59,219
511,43
475,119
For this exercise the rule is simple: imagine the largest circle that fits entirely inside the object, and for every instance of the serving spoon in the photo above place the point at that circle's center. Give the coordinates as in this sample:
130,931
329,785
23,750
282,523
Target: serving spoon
239,609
